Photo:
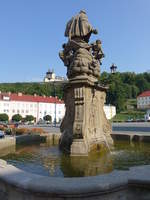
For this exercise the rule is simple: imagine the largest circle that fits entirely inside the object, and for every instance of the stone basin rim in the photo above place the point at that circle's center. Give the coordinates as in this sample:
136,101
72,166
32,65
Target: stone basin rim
76,186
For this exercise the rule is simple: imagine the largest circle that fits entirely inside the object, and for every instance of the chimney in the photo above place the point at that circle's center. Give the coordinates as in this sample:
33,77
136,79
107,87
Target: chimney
19,94
9,93
35,95
0,92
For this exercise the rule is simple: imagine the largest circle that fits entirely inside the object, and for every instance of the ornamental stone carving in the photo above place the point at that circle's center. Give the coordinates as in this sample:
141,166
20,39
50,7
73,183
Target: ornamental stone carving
80,57
84,126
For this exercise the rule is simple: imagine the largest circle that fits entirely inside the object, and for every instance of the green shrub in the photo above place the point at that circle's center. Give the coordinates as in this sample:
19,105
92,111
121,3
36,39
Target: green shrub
16,118
4,117
8,131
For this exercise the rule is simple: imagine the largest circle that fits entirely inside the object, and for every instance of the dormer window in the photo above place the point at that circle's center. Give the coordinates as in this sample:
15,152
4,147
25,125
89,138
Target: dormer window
6,98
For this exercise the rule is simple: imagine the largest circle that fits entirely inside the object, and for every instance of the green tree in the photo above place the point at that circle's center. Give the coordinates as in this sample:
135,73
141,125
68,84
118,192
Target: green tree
142,83
4,117
29,118
16,118
104,78
47,118
128,77
135,91
116,96
147,76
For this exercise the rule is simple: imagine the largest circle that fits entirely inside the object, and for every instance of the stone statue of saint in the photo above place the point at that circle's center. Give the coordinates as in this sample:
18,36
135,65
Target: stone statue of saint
81,58
79,26
84,127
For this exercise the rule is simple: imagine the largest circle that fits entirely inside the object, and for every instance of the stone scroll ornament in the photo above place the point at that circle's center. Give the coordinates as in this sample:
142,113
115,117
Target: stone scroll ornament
80,57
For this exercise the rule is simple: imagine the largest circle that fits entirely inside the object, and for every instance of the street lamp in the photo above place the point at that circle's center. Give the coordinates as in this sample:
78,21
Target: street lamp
54,87
55,103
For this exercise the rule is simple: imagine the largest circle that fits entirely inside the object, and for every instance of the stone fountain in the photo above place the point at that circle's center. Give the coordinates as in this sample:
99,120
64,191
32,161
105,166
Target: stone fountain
84,127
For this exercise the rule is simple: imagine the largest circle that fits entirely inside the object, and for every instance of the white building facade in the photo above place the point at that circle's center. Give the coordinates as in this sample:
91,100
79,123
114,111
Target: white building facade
37,106
51,77
143,100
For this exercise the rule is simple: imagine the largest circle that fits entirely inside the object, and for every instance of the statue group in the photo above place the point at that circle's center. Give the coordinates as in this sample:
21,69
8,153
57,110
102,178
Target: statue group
84,126
80,57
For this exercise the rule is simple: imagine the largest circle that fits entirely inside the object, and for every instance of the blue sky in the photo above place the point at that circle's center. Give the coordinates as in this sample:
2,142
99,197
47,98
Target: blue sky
32,33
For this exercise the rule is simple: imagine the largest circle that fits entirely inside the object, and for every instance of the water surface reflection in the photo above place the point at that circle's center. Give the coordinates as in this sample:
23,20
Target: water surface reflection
47,160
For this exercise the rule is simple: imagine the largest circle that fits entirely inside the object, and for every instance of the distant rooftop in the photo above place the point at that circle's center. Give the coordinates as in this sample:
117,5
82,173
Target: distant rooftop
30,98
51,77
145,94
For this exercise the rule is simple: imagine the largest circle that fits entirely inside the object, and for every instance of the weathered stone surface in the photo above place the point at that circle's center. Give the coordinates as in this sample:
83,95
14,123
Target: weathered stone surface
3,163
7,145
78,26
80,57
85,125
119,185
79,148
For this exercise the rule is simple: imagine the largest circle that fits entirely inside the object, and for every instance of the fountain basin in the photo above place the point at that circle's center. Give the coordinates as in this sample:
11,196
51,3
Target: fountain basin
47,160
122,185
19,184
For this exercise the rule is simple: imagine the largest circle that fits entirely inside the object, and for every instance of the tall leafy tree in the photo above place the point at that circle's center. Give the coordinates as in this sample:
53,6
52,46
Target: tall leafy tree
29,118
16,118
47,118
3,117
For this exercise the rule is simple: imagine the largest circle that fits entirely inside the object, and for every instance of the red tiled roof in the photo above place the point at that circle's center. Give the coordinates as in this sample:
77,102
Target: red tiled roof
31,98
145,94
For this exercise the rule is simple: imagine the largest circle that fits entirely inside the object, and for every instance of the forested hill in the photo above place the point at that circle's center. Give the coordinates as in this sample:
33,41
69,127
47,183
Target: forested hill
41,89
122,86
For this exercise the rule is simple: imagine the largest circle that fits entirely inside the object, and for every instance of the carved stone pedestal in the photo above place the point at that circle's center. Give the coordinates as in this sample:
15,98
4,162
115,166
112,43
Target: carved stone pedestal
79,148
84,126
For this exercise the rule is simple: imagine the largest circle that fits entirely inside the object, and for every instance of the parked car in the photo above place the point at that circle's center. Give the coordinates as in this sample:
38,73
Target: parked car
129,120
2,134
41,122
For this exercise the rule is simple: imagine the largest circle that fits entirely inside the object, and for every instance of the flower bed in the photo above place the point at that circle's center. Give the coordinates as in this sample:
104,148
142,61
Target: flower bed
23,131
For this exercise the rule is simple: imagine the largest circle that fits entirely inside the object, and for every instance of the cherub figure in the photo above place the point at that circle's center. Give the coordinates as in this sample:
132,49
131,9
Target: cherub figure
97,50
